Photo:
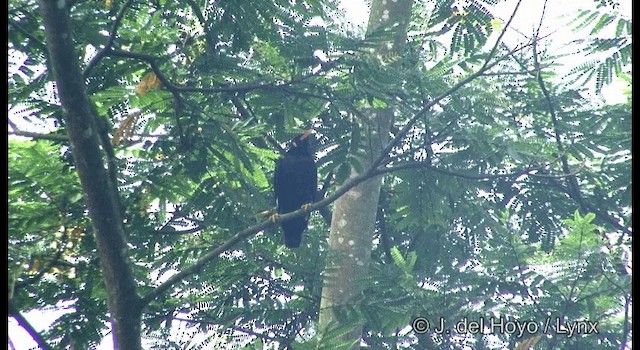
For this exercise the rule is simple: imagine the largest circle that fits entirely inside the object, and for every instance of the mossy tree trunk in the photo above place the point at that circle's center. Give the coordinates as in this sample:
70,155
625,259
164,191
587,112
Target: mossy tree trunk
100,192
354,214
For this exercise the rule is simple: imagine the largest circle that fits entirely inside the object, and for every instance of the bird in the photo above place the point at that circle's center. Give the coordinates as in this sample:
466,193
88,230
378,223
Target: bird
295,183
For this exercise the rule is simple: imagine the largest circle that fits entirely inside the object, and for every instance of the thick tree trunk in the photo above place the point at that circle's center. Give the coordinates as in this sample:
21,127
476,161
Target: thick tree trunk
101,194
354,214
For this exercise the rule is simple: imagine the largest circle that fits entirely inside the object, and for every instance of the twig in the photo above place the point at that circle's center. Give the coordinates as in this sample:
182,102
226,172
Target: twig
499,39
523,72
203,22
49,265
625,327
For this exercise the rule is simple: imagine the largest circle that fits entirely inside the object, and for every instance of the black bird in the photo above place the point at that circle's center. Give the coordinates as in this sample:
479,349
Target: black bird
295,184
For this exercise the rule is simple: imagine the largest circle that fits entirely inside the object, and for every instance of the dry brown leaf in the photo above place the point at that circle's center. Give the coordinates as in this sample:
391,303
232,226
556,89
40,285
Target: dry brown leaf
126,128
529,343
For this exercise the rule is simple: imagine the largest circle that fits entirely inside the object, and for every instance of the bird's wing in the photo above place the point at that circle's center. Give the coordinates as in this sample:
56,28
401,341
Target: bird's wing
276,183
314,188
310,180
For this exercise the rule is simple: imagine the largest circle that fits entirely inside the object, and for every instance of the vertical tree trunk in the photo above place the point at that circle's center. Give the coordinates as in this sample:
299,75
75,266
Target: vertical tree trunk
101,195
354,214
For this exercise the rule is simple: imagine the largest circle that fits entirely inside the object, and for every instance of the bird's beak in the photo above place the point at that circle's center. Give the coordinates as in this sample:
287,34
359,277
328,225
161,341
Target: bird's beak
306,134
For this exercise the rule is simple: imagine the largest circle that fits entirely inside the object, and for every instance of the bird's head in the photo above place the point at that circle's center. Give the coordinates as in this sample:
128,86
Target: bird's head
300,143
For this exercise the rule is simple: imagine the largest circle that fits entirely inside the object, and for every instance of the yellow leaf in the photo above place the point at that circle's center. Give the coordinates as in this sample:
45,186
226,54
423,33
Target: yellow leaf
35,265
460,13
496,24
149,82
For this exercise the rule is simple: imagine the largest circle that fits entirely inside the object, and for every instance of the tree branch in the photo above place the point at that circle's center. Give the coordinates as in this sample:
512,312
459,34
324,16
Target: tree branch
348,184
591,209
39,136
112,36
403,132
215,252
245,87
572,182
427,166
15,313
382,228
573,187
625,325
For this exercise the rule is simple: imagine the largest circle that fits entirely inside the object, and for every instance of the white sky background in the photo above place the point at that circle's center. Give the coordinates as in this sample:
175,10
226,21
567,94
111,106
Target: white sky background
527,19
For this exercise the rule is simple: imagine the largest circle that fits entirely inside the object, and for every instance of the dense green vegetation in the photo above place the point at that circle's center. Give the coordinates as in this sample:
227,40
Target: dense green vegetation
506,193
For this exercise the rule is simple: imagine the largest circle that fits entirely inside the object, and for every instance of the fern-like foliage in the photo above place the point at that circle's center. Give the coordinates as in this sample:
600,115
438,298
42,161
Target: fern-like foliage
475,217
609,44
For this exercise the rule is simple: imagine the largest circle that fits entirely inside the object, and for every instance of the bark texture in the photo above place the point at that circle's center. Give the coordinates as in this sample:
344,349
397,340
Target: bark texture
100,193
354,214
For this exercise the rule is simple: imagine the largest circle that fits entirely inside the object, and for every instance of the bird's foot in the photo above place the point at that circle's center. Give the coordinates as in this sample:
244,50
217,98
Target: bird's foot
274,217
307,206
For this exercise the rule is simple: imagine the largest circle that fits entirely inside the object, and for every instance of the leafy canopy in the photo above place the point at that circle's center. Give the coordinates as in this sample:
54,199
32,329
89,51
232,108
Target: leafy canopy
509,198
